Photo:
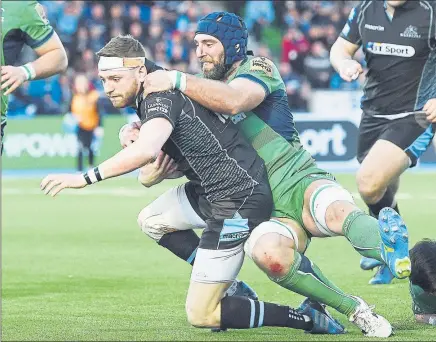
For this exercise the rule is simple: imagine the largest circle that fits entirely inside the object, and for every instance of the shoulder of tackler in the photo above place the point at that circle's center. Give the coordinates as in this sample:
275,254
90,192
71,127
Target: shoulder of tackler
260,66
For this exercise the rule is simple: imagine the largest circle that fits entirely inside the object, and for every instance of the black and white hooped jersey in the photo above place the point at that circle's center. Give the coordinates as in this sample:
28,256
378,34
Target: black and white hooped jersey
208,147
400,53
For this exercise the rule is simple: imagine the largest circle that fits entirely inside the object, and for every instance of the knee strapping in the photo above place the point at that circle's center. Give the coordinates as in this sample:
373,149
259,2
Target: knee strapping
321,199
271,226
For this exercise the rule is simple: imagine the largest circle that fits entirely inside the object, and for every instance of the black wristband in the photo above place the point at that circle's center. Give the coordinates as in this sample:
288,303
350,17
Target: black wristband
97,174
88,180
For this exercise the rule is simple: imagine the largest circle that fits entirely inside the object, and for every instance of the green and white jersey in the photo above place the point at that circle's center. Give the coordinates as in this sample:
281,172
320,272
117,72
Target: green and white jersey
271,130
23,22
422,302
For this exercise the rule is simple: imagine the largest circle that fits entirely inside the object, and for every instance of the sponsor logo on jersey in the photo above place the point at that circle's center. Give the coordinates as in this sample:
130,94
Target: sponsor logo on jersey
161,105
234,230
411,32
238,117
2,14
374,27
390,49
262,64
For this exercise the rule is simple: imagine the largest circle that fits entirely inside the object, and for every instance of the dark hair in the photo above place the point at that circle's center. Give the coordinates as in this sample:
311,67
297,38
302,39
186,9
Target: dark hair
122,46
423,258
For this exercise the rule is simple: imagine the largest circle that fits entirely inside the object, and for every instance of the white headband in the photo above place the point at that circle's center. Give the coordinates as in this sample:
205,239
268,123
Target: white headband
119,63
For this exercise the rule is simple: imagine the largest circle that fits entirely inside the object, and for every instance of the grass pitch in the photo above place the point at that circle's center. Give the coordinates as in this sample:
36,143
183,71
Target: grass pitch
77,267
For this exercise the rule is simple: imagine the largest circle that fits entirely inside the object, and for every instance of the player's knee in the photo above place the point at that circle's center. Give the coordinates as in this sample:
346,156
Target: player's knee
368,186
337,212
274,254
149,223
198,317
329,205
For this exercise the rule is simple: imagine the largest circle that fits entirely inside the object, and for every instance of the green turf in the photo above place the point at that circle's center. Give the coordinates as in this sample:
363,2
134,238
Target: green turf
77,267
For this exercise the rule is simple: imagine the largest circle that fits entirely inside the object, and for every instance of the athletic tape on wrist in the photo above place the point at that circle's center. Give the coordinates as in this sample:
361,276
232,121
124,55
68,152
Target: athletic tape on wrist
29,71
93,176
178,80
182,84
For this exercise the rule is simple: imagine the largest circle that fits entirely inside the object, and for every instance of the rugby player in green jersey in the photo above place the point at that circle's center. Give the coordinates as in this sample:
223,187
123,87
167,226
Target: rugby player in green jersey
308,201
25,23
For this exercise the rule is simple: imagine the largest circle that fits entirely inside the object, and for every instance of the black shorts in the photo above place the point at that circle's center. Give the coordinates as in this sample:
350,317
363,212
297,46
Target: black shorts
230,221
409,135
85,137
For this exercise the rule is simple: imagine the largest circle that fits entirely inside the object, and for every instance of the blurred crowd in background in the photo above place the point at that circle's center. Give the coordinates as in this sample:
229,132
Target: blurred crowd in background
296,35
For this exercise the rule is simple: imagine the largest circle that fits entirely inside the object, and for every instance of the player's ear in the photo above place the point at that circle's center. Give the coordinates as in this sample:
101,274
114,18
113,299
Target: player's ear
141,73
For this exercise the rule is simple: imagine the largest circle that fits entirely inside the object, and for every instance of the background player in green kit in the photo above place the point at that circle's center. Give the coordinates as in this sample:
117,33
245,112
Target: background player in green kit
308,201
24,22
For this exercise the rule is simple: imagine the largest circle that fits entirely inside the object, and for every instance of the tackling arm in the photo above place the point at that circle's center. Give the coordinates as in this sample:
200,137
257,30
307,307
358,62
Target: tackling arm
238,96
52,58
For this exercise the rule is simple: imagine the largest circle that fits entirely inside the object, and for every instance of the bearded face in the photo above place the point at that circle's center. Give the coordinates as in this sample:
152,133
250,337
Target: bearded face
214,68
210,54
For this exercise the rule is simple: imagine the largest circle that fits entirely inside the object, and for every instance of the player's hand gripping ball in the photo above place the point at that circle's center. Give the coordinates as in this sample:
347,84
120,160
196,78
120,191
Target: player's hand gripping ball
129,133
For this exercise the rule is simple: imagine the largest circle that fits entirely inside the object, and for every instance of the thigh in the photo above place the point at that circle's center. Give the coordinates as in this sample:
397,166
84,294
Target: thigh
384,163
298,198
203,305
370,130
172,210
214,266
213,272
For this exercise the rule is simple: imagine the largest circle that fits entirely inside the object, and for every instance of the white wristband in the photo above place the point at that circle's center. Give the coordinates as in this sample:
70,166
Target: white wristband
93,176
173,77
29,71
178,80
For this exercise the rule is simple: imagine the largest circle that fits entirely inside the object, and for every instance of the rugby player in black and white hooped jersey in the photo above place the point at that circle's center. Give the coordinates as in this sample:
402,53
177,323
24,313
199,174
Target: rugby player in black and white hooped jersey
399,103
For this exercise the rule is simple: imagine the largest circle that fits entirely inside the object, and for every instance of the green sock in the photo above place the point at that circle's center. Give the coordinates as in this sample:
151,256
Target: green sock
306,279
362,232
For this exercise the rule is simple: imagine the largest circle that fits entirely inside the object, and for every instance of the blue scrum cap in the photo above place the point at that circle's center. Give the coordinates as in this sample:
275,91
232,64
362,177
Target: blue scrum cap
230,30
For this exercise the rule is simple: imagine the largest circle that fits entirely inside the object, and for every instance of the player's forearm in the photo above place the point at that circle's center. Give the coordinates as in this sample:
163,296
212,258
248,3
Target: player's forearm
148,176
125,161
338,54
214,95
51,63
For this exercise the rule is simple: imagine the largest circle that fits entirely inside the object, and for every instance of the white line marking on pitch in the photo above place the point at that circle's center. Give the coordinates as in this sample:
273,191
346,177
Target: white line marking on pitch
84,192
